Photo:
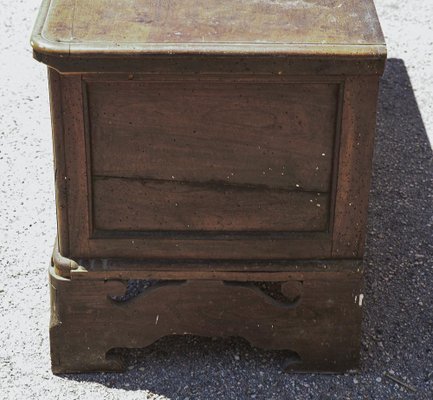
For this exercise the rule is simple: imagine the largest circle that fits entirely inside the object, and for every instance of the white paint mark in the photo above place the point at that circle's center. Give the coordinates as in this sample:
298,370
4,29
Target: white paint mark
293,4
361,298
156,320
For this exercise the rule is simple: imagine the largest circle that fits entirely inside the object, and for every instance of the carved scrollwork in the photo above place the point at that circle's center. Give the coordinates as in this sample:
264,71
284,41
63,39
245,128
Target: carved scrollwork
282,293
138,288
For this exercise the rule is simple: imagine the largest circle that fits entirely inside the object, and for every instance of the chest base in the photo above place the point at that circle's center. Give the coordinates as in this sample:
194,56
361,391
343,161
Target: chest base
310,310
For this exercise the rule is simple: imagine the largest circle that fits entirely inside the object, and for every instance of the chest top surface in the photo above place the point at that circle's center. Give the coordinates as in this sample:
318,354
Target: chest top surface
327,27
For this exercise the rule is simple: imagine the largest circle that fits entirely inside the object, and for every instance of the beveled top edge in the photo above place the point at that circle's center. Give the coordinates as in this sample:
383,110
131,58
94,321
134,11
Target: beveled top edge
43,46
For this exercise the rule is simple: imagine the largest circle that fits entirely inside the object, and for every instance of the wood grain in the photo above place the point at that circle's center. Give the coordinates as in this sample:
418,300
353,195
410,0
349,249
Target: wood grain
242,22
143,205
173,247
275,133
59,148
76,157
197,65
310,37
243,271
322,327
355,164
352,183
213,145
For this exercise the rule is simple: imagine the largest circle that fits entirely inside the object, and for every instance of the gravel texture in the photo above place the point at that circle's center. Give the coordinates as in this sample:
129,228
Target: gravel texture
397,331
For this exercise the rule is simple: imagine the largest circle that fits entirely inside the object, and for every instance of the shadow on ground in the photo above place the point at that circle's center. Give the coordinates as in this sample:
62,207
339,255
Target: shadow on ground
398,317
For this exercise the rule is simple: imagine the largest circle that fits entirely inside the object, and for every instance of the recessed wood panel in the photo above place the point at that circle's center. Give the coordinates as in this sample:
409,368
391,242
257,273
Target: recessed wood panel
136,205
276,134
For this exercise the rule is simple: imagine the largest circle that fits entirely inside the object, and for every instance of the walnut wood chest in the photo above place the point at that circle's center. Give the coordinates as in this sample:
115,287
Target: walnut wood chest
221,151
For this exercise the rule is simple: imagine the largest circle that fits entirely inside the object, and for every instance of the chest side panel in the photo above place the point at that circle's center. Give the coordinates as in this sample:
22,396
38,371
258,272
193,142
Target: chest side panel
152,168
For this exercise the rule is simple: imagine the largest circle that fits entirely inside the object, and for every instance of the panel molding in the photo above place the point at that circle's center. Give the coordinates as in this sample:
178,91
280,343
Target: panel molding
99,234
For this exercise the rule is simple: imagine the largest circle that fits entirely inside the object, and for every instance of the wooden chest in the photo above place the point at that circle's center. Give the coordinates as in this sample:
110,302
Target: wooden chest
220,150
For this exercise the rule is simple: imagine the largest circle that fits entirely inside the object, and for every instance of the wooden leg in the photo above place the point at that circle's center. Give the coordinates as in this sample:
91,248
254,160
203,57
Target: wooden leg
75,346
317,317
69,355
324,359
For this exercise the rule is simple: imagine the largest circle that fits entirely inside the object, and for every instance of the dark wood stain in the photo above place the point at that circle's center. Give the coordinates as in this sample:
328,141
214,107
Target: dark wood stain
321,326
236,132
222,148
124,204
